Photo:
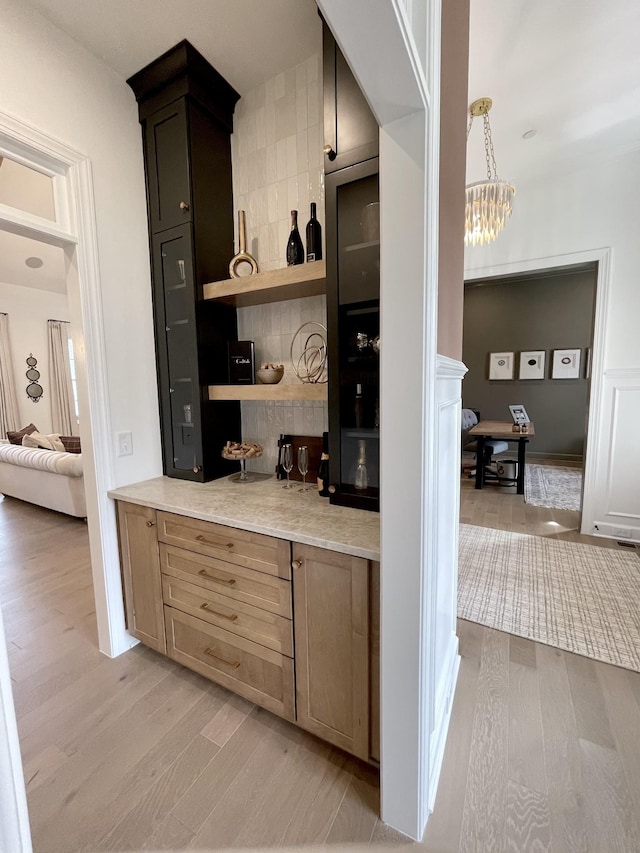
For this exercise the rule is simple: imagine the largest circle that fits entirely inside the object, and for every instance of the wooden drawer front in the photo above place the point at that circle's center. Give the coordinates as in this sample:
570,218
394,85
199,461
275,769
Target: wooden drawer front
251,550
262,627
260,590
259,674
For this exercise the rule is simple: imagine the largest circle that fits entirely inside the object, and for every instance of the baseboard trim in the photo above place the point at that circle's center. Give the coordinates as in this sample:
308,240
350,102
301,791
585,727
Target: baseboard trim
444,705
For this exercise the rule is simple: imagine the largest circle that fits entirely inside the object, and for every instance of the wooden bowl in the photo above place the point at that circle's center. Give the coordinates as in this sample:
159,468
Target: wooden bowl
269,375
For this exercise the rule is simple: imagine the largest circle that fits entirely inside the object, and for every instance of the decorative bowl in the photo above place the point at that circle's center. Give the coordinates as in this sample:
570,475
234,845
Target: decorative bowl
270,375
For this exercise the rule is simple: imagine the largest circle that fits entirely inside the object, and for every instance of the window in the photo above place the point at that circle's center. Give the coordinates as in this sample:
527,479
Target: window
74,384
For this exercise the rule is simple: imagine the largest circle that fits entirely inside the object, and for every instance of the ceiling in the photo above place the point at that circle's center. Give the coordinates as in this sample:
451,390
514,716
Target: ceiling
569,70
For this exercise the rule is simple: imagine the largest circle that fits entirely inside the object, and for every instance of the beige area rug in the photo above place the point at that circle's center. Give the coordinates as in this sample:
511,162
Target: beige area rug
553,486
580,598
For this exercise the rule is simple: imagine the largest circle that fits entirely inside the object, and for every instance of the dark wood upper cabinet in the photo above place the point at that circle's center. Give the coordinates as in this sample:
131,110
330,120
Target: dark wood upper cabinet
350,128
186,112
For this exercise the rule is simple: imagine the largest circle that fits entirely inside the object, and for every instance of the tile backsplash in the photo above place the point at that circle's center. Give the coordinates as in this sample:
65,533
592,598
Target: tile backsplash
276,152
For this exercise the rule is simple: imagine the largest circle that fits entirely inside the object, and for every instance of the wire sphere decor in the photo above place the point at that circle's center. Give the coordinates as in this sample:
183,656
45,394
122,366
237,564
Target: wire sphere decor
309,353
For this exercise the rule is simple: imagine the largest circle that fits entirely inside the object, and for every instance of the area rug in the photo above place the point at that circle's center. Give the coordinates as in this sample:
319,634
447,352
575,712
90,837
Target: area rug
552,486
580,598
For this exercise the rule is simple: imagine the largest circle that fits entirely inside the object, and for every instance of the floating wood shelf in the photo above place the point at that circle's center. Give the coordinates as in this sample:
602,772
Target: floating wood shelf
299,391
272,286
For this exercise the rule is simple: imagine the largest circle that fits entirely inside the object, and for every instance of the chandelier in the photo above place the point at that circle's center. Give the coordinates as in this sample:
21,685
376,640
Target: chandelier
488,203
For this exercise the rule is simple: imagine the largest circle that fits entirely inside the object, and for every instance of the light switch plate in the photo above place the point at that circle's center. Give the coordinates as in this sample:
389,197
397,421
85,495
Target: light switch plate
124,443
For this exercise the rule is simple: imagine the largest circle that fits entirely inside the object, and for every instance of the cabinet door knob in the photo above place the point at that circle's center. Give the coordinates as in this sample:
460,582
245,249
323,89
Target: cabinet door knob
197,469
183,205
329,153
296,564
150,523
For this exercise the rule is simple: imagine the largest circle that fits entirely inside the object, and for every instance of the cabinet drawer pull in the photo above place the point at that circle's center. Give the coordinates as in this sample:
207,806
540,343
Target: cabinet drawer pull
205,574
201,538
150,523
212,654
183,205
329,153
206,607
296,564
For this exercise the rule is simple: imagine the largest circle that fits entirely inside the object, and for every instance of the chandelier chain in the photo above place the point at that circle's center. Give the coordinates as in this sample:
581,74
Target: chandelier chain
488,149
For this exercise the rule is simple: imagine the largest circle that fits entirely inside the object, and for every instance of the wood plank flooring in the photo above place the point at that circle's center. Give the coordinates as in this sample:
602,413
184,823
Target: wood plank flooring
138,753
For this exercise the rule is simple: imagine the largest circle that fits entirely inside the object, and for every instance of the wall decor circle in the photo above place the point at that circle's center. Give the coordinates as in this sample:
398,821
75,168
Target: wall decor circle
309,353
34,389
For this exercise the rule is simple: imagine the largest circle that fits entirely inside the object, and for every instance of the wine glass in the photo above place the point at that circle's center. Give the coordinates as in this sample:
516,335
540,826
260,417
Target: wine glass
287,462
303,465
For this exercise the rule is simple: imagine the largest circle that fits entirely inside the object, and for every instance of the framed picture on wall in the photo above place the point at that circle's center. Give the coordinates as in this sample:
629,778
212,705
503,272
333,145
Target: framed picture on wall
532,364
566,364
500,365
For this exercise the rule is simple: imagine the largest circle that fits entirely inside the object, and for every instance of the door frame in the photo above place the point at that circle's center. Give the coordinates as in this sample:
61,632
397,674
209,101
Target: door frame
603,258
75,231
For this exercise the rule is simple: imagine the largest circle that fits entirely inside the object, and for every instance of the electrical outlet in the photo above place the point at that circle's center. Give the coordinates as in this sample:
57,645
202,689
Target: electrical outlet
125,443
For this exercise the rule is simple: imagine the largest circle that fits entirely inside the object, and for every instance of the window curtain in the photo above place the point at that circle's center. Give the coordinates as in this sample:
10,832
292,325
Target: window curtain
9,414
62,407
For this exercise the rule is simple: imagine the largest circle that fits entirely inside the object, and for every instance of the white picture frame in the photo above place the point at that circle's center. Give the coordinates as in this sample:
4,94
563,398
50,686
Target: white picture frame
532,364
519,414
501,365
566,364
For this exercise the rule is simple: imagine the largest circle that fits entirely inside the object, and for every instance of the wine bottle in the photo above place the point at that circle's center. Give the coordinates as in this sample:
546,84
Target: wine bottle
314,236
323,468
361,479
295,252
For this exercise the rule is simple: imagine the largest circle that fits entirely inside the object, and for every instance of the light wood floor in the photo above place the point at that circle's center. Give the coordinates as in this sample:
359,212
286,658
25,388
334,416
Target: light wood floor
137,753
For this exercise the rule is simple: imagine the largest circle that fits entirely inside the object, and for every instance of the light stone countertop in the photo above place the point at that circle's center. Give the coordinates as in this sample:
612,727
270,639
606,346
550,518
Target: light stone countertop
264,507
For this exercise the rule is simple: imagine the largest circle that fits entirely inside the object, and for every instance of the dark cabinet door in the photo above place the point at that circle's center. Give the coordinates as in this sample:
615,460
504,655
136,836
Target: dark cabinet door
168,167
353,309
350,128
177,351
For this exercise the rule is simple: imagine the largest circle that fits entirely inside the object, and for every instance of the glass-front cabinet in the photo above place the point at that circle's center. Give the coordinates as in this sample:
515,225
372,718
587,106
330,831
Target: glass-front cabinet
353,306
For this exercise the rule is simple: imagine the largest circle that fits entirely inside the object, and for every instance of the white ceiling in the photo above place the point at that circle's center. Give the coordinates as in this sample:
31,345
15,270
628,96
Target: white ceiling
15,249
570,70
247,41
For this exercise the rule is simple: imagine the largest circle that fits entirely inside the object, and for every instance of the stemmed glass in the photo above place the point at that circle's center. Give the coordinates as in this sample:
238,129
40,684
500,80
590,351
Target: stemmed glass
303,465
287,462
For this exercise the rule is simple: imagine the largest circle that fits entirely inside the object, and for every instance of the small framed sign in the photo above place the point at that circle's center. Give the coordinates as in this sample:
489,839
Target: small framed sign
566,364
241,363
519,414
532,364
501,365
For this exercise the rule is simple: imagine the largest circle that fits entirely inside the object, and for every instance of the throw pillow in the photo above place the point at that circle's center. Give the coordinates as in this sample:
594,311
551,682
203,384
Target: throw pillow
71,443
46,442
15,436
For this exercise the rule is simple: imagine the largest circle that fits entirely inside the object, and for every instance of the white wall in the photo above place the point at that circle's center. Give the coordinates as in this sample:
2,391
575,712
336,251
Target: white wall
593,207
54,85
28,312
276,154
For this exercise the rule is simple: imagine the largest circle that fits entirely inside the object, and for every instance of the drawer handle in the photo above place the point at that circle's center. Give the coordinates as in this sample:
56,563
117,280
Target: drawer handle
201,538
206,607
150,523
183,205
212,654
205,574
296,564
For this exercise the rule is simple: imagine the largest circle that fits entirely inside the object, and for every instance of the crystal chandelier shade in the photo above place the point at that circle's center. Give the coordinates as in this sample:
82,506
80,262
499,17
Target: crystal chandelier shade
488,203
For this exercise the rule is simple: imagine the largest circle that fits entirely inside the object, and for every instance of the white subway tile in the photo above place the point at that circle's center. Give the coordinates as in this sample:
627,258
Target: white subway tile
272,203
313,104
290,82
284,209
270,91
303,203
279,86
281,154
292,156
253,172
263,244
274,241
286,116
261,128
271,123
301,77
302,120
315,146
292,194
272,164
263,206
312,68
302,145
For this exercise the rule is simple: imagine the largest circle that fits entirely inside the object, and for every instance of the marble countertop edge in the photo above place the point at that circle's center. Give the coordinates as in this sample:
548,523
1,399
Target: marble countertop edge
263,508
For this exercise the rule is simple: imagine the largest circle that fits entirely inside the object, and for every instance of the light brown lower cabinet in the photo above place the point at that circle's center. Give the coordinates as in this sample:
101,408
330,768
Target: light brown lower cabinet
141,576
331,625
221,602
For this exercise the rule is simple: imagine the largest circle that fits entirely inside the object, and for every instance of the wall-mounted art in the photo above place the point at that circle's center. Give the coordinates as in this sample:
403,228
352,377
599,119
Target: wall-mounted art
34,389
566,364
500,365
532,364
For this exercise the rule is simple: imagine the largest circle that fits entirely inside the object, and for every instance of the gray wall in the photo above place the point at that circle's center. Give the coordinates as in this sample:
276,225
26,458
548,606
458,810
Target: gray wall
535,313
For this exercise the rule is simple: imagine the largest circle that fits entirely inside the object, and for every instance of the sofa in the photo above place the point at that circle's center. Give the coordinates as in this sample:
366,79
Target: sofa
48,478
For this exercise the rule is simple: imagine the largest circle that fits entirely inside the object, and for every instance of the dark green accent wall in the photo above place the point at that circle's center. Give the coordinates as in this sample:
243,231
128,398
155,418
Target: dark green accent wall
534,313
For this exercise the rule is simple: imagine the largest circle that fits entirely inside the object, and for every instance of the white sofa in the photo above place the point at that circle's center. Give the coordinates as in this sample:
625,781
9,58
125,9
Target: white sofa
47,478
